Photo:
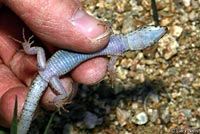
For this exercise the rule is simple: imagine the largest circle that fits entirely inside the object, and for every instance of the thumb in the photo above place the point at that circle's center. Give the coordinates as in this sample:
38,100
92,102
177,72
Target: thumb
62,23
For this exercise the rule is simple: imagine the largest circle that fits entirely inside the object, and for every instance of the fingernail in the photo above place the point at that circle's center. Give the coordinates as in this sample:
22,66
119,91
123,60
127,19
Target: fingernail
88,25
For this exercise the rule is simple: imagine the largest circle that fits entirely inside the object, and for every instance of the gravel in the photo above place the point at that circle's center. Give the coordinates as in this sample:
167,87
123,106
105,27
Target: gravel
156,90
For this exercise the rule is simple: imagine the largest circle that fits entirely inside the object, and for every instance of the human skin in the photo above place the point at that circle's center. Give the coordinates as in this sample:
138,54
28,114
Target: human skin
58,25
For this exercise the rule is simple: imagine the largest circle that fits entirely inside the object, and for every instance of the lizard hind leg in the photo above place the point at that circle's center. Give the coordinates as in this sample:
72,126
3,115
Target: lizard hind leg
63,96
111,68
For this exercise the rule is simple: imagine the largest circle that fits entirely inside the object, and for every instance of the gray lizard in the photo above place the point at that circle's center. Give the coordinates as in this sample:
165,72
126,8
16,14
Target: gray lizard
64,61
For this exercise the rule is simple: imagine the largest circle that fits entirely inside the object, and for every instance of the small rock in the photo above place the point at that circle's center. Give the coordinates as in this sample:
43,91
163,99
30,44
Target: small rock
122,116
68,129
134,105
121,72
166,21
165,115
140,118
195,4
153,114
187,113
186,3
140,77
90,121
168,46
193,16
187,79
126,62
176,31
196,83
184,18
127,24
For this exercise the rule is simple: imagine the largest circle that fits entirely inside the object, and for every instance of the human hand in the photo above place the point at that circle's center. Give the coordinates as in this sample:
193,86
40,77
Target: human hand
58,24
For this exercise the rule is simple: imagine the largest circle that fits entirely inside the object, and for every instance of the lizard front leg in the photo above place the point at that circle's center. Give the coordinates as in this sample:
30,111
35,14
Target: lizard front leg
62,98
41,59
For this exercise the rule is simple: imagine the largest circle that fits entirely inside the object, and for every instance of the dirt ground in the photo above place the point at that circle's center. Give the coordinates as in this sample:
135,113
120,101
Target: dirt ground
157,90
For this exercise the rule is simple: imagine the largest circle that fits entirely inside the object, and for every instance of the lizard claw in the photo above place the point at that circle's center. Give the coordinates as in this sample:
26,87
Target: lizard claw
60,105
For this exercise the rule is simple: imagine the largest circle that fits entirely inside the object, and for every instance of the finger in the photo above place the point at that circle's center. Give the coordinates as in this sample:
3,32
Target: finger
22,65
10,25
62,23
91,71
48,98
10,87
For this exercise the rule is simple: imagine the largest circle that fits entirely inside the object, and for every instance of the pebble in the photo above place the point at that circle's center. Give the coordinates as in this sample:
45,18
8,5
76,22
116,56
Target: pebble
153,115
186,2
174,64
187,113
193,15
122,116
165,115
90,121
187,79
121,72
135,106
140,118
166,21
168,46
126,63
171,65
196,84
176,31
68,129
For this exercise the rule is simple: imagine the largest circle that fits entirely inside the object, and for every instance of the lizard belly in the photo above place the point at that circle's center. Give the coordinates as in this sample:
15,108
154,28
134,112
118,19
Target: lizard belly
63,62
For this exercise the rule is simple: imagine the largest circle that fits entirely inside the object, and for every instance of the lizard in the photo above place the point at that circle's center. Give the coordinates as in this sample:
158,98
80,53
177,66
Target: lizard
63,61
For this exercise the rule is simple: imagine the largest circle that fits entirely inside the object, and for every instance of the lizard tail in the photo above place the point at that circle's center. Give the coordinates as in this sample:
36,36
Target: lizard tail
32,100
